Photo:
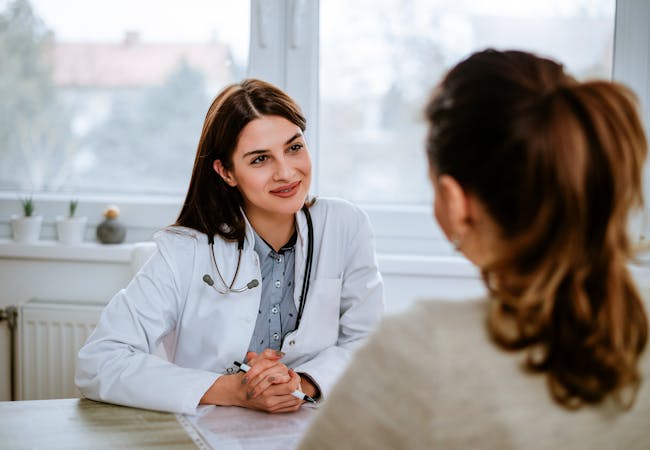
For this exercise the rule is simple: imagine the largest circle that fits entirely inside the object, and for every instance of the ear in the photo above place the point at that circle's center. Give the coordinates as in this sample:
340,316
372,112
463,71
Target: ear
453,208
224,173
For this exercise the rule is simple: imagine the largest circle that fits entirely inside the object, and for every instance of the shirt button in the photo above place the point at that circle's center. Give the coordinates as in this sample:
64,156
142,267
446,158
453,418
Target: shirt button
274,310
292,342
277,284
276,336
279,259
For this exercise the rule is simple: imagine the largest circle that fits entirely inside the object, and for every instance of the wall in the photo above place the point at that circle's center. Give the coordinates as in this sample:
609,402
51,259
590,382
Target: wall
49,270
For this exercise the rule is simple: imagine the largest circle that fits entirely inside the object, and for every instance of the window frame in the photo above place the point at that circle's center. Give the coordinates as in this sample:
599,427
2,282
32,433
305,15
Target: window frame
284,49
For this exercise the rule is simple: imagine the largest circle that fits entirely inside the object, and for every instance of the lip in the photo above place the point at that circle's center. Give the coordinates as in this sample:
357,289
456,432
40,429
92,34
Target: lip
287,191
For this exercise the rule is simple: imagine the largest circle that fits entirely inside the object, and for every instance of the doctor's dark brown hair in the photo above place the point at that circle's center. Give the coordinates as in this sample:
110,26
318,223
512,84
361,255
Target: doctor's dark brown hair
558,165
211,205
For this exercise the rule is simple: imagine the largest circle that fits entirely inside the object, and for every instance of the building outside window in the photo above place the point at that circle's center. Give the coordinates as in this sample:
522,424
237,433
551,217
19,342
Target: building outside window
105,97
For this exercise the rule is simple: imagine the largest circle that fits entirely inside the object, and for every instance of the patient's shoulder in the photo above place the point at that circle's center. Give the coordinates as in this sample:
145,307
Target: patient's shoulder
429,325
432,312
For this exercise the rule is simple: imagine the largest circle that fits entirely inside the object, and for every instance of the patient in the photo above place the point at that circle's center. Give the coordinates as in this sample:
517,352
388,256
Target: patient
534,176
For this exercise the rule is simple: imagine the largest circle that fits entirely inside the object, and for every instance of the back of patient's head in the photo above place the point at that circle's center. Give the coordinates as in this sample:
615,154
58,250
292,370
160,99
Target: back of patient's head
557,165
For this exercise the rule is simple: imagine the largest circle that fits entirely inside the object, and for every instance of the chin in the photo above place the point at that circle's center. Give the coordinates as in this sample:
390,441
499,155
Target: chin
288,206
296,206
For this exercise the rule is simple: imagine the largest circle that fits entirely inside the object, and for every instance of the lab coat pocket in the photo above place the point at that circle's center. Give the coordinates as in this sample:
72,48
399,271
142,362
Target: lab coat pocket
321,315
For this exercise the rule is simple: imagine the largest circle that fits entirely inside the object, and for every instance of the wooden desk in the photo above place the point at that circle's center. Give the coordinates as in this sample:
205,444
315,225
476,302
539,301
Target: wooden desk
85,424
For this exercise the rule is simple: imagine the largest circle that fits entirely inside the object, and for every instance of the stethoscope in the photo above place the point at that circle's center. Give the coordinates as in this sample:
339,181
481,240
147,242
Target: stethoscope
229,288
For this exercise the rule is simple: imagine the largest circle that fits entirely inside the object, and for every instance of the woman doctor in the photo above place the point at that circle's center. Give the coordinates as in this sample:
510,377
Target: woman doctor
250,272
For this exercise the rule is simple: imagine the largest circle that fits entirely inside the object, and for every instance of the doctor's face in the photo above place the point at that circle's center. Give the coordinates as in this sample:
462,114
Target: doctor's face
271,167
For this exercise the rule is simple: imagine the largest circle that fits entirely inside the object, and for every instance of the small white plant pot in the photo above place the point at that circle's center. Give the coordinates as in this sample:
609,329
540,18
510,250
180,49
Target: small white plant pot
26,229
71,230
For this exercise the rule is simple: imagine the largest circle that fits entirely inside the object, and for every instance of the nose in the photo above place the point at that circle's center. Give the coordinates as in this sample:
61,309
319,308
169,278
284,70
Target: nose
284,170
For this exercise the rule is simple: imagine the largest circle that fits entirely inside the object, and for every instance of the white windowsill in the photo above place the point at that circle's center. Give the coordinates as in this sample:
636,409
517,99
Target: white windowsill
389,264
54,250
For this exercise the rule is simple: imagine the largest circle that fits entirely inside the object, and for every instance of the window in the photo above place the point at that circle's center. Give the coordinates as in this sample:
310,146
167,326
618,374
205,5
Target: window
110,96
360,70
380,59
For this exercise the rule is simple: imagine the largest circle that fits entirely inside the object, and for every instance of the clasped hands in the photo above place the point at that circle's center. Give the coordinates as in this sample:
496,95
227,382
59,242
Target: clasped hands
267,386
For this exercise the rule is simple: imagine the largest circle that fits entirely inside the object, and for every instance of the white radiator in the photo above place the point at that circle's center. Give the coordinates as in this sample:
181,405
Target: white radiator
49,336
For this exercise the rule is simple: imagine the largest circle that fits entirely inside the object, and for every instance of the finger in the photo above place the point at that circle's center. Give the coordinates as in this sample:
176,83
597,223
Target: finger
250,356
288,405
274,384
281,378
265,368
295,379
276,374
289,409
259,367
275,402
274,390
271,354
266,380
253,358
272,402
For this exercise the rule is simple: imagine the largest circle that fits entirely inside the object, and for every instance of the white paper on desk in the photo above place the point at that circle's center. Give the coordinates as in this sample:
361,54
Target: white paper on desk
233,428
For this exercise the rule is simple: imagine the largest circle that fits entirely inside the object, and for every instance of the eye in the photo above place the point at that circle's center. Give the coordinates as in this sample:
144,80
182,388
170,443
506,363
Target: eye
295,147
260,159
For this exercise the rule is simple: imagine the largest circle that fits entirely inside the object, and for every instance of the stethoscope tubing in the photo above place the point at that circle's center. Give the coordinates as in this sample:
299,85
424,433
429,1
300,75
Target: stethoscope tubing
254,283
310,257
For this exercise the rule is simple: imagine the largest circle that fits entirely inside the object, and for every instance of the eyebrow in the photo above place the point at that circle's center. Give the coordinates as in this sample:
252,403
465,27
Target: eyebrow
253,152
293,138
258,152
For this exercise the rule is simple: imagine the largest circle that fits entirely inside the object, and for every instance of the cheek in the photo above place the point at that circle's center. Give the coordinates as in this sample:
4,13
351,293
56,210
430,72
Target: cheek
249,181
306,163
305,166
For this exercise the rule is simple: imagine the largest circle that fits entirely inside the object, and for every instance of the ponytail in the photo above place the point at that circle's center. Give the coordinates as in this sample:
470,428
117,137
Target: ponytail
558,164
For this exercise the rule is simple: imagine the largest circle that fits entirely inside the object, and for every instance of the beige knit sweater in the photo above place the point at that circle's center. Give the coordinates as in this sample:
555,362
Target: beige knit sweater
431,379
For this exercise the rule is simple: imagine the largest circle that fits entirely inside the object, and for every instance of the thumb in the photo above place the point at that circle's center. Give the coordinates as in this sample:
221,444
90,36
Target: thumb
250,356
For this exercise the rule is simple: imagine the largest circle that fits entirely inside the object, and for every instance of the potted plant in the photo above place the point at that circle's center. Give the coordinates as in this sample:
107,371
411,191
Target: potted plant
26,228
71,229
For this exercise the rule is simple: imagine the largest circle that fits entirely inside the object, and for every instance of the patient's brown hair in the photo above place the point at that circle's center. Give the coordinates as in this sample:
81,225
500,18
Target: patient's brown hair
558,165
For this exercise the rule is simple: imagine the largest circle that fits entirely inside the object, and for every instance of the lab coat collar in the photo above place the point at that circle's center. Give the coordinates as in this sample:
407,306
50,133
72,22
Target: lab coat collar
300,256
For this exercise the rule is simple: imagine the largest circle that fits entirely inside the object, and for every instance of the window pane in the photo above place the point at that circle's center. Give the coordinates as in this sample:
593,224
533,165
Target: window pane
109,96
380,58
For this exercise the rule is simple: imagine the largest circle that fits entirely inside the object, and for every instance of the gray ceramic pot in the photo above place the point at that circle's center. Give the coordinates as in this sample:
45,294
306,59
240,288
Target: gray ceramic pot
111,231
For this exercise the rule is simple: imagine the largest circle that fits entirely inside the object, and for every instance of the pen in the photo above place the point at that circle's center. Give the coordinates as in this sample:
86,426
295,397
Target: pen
301,395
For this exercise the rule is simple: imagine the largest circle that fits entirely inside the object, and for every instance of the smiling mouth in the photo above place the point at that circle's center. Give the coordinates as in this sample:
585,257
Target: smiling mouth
289,189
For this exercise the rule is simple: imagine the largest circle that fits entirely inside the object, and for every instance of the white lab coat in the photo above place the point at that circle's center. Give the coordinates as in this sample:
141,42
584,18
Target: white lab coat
203,331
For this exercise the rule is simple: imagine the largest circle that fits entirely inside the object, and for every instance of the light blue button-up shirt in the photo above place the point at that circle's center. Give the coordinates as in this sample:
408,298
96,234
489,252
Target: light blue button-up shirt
277,312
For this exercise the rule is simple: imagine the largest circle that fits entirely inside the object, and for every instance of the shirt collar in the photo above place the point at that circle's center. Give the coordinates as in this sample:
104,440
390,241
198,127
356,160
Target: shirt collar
301,229
263,248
